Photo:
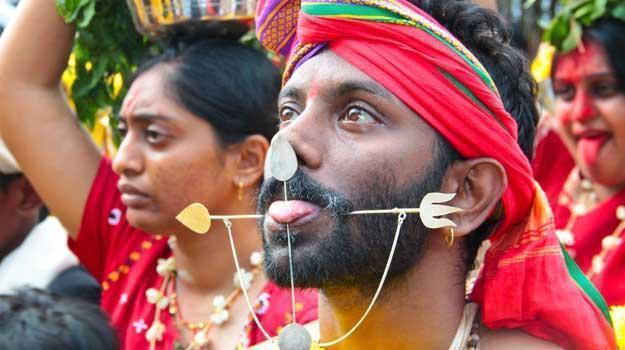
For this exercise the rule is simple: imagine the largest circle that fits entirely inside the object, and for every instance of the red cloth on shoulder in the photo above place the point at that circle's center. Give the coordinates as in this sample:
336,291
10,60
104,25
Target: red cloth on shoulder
123,259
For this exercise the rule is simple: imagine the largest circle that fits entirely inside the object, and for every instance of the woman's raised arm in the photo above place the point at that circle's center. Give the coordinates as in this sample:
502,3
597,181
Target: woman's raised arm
36,123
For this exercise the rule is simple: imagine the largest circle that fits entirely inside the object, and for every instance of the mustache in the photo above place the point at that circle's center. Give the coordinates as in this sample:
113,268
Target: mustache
303,187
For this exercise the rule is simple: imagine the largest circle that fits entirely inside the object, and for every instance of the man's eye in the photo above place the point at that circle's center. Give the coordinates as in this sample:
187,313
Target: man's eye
288,114
357,115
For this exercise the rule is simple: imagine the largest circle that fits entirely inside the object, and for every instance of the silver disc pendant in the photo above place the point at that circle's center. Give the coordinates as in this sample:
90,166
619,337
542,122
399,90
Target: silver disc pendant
282,158
294,337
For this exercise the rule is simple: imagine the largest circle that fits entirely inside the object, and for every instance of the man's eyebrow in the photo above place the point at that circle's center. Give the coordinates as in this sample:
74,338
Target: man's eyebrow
347,87
291,92
343,88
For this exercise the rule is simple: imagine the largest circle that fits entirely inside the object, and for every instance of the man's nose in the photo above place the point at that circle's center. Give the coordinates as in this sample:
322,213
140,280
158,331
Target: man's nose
305,134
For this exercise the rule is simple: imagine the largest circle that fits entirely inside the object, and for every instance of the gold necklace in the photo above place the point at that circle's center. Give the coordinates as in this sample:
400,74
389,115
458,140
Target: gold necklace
165,298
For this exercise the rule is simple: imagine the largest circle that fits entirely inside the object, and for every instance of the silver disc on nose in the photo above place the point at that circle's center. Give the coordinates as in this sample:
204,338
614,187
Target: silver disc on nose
294,337
282,158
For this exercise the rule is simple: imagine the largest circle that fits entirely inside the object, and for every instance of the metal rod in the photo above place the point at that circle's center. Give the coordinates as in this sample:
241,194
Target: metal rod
386,211
395,211
235,217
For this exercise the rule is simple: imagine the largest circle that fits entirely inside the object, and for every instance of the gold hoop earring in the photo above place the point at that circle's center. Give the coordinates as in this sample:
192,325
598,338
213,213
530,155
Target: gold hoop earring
240,190
449,237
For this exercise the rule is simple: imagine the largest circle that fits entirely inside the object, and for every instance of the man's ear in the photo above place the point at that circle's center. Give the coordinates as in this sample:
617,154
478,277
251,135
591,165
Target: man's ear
479,184
24,195
249,160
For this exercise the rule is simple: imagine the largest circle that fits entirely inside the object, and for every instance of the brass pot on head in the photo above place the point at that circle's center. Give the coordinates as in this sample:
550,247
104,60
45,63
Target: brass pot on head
209,18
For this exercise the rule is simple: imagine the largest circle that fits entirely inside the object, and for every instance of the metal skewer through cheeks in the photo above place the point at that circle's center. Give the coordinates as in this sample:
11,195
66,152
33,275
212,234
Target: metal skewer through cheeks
282,165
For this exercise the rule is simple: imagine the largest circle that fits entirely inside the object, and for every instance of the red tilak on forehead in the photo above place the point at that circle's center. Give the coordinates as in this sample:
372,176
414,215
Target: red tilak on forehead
130,101
315,87
579,64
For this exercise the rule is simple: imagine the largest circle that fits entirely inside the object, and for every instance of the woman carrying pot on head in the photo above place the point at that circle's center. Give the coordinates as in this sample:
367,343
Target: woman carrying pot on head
583,170
195,125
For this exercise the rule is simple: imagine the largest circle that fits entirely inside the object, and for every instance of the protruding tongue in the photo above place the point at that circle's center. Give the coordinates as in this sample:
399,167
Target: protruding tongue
590,147
290,211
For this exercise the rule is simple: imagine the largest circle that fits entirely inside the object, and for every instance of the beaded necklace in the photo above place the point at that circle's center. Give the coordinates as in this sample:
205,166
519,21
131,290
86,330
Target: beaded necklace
580,198
166,299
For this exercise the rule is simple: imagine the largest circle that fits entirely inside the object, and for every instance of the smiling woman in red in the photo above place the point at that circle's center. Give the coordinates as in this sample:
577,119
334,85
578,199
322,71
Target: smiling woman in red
195,126
583,170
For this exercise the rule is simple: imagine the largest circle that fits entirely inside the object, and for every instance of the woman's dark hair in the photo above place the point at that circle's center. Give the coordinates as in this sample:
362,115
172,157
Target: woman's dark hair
484,33
232,86
610,34
37,320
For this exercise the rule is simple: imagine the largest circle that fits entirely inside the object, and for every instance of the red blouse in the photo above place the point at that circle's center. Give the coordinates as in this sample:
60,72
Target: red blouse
123,259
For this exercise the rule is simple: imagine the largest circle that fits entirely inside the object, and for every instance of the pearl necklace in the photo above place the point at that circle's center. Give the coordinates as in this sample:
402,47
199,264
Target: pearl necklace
580,192
165,298
608,243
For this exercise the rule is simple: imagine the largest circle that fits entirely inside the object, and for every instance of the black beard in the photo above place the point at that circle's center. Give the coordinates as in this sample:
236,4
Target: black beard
356,250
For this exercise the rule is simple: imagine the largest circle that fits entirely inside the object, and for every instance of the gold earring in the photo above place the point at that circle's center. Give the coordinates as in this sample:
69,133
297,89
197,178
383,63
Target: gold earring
449,237
240,190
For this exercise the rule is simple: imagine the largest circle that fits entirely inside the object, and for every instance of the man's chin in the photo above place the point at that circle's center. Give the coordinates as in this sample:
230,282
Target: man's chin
277,268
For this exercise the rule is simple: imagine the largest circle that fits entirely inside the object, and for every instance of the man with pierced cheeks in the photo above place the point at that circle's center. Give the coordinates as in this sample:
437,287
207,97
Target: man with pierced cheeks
382,105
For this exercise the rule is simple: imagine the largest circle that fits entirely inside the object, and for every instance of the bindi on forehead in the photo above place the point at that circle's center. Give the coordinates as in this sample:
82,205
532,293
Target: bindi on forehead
140,104
146,91
130,101
315,87
323,71
328,77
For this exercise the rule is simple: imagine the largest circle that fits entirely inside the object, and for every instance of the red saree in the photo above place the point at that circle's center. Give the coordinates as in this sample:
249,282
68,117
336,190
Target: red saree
552,167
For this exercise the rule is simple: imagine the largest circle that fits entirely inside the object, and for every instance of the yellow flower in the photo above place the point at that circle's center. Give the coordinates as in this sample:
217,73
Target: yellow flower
68,79
541,66
102,133
618,317
116,81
